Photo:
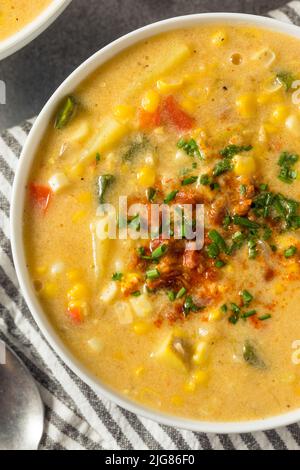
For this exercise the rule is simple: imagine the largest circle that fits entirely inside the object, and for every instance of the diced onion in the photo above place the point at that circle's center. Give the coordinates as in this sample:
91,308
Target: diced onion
141,305
57,268
95,344
58,181
265,56
123,312
109,292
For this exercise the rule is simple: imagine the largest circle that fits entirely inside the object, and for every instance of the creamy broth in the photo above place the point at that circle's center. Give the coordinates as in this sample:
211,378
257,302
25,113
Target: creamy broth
16,14
202,115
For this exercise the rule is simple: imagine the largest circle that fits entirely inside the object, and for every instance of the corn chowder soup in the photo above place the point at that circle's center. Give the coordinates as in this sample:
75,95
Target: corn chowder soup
16,14
208,334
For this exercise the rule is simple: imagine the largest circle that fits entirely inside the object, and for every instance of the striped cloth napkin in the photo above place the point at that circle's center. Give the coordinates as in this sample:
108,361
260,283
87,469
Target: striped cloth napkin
76,416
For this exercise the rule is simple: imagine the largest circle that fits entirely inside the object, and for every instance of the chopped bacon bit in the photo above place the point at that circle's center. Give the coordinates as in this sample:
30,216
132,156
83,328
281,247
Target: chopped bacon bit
158,322
40,195
187,197
191,259
242,208
269,274
175,314
172,113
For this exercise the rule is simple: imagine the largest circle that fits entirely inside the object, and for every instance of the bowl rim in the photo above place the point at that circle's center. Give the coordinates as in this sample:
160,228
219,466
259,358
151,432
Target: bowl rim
16,221
30,31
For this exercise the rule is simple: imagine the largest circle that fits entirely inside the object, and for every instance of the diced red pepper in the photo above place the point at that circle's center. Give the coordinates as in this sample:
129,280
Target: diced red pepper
172,113
75,314
149,120
40,195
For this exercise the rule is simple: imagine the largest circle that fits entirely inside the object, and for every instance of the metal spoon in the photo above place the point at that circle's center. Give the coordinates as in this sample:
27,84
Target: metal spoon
21,407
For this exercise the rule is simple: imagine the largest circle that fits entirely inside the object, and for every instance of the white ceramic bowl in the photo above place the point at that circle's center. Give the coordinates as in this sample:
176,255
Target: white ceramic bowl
32,30
17,206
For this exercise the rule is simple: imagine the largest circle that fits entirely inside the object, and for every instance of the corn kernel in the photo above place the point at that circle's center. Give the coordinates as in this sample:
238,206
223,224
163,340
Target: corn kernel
77,292
49,289
246,105
200,377
200,354
150,101
266,97
146,176
76,171
73,274
289,378
141,328
279,114
124,112
139,371
292,268
218,38
229,269
215,315
141,305
189,386
84,197
278,288
165,87
78,215
244,165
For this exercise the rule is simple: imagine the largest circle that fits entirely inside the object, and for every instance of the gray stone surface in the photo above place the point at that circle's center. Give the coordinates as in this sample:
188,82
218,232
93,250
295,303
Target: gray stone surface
32,74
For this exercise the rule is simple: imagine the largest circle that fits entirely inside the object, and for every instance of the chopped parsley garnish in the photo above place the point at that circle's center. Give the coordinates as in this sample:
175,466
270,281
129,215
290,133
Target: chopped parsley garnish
151,193
135,148
152,274
265,317
248,314
222,167
228,153
224,308
226,221
117,276
190,147
190,306
213,250
286,79
159,251
136,293
189,180
215,237
245,222
98,157
171,295
181,293
243,189
291,251
170,196
205,180
104,181
252,251
219,263
247,297
234,317
231,150
286,162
